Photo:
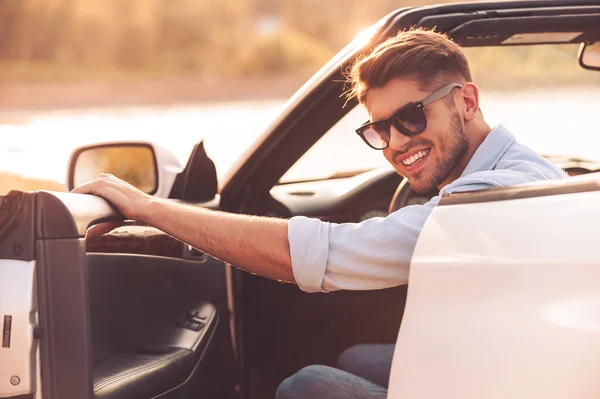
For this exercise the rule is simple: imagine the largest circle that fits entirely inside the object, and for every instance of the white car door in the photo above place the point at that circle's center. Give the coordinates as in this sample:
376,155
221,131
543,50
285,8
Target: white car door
504,297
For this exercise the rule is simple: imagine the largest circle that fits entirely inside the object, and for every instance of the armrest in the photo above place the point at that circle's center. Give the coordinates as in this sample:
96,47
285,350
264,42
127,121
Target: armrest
66,215
140,375
187,332
166,361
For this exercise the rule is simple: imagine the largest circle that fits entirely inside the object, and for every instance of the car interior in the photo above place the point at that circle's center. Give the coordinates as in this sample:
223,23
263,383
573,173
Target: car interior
126,311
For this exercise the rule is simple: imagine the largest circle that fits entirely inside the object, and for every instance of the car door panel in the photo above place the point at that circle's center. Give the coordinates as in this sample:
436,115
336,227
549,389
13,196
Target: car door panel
135,297
517,300
111,325
131,294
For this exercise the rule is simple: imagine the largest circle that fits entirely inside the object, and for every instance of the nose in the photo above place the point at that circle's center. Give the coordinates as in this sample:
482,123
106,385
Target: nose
397,139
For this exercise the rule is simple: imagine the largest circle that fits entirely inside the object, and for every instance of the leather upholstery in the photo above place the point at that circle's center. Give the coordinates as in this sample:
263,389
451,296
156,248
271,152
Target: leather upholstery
132,239
142,376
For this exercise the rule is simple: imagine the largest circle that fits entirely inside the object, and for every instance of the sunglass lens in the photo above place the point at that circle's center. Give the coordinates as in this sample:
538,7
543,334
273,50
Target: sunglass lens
377,135
410,121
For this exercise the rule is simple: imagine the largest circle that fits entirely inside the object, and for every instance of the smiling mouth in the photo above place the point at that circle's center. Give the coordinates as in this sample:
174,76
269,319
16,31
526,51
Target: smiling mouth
416,158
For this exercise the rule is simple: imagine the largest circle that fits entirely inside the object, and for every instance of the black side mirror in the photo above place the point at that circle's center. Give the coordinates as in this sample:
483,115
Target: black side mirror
589,56
133,162
198,181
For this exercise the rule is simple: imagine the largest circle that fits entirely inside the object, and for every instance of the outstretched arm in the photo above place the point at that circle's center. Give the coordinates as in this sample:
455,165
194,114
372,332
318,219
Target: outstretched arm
257,244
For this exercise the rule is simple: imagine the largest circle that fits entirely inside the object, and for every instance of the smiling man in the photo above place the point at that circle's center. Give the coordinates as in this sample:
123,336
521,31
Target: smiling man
425,117
432,148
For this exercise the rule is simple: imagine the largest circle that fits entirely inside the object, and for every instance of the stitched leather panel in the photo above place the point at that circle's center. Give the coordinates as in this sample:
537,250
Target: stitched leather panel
141,376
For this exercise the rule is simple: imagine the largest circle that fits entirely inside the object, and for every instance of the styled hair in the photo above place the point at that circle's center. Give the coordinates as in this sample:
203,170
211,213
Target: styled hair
428,58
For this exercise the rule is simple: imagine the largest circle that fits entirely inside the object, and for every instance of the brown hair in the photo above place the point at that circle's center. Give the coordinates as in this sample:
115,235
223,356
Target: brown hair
429,58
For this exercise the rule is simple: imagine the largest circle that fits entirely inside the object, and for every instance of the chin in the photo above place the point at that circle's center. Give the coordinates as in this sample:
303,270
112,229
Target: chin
422,186
419,189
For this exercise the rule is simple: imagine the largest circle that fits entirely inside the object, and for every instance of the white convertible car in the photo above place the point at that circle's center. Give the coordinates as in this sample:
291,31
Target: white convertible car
503,299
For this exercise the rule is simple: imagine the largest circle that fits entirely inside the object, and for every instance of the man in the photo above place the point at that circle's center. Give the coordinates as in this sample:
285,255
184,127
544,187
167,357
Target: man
426,120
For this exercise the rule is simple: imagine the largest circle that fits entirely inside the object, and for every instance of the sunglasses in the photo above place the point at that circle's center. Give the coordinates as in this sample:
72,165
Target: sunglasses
409,120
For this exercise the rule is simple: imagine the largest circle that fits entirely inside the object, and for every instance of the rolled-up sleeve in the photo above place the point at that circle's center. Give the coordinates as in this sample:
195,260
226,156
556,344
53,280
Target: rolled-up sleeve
373,254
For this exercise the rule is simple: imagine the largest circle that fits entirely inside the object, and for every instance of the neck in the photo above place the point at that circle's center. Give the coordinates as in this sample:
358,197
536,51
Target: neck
476,134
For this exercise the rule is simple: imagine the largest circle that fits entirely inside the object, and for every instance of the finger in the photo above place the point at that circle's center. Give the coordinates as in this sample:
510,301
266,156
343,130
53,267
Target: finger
90,187
85,188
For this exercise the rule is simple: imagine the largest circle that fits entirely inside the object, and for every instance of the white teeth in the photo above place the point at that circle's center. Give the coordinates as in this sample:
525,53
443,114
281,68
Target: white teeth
415,157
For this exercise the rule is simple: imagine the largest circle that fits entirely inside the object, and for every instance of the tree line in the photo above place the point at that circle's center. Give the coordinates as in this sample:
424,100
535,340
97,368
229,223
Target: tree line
110,39
206,37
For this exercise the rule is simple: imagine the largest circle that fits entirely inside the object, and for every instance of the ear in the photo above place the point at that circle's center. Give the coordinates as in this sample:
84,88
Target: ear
470,100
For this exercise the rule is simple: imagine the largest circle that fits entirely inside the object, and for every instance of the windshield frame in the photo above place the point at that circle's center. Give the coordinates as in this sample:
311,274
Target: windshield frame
264,157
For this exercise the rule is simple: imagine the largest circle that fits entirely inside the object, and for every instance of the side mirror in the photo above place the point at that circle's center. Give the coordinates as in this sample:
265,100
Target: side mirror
133,162
589,56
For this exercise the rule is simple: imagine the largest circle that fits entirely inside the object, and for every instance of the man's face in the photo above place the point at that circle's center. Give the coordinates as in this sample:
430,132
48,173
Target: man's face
443,143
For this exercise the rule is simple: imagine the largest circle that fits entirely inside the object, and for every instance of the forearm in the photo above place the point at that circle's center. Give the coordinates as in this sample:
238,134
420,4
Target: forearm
256,244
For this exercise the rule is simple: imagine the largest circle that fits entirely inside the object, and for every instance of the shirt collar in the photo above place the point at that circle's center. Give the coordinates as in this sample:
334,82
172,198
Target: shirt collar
490,151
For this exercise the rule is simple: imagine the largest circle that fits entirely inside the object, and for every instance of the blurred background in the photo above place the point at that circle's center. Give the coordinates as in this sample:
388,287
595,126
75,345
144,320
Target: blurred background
173,71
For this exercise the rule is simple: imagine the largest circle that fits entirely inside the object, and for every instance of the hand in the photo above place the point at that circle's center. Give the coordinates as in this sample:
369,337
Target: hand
131,202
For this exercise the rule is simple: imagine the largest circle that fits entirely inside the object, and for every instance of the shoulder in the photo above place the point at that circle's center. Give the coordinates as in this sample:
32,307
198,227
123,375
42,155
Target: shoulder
486,179
522,173
523,159
518,164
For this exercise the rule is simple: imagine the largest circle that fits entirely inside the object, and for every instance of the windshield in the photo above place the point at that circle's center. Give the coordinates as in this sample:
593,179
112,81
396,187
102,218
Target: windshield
540,93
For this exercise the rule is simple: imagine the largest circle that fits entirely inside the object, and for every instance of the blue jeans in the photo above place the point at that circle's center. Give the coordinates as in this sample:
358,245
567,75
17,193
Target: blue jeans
362,372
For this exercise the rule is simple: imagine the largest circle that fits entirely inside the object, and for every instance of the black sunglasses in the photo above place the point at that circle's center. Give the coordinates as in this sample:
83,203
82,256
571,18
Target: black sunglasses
409,120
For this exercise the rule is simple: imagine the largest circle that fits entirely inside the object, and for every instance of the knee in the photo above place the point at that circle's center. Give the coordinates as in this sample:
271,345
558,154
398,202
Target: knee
350,357
301,384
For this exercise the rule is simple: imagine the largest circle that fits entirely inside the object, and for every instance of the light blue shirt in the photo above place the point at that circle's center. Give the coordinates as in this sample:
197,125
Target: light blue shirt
376,253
